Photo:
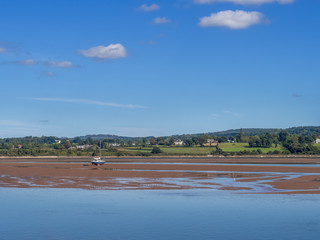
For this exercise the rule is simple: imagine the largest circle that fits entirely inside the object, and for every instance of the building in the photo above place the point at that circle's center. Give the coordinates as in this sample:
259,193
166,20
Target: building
211,142
83,147
178,142
114,144
317,140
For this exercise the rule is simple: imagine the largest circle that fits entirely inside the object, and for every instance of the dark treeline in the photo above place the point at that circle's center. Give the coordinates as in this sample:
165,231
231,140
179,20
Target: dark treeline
303,131
299,141
293,143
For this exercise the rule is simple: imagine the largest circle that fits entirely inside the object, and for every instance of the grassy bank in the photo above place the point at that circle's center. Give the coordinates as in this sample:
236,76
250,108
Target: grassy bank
227,149
199,151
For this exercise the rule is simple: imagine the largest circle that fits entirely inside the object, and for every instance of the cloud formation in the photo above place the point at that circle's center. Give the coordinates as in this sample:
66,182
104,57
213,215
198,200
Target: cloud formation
27,62
112,51
232,19
2,50
244,2
87,101
161,20
48,74
63,64
150,42
146,8
30,61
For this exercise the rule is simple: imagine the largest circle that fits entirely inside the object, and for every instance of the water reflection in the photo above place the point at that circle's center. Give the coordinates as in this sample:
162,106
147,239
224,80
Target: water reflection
64,214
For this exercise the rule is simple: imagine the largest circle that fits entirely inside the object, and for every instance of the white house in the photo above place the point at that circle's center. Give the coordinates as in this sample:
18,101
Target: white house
86,146
114,144
178,142
317,140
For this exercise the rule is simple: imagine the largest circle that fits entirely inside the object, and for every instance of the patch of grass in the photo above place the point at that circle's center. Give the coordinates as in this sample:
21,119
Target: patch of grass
317,145
237,147
197,150
188,150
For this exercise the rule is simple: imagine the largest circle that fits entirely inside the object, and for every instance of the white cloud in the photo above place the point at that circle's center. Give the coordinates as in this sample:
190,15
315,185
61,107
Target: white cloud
48,74
146,8
244,2
21,62
112,51
63,64
27,62
161,20
30,61
2,50
232,19
87,101
150,42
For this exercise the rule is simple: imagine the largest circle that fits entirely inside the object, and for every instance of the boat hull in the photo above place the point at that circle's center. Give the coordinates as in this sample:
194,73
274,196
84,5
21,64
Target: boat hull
97,162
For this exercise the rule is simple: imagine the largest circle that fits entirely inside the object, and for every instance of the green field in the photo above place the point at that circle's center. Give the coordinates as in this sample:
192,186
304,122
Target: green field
237,147
197,150
317,146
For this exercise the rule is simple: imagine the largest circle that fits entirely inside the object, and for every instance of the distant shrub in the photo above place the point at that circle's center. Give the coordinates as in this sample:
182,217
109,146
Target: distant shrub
285,152
156,150
276,152
144,154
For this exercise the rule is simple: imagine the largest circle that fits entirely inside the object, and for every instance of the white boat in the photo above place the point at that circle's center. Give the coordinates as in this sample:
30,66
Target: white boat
97,160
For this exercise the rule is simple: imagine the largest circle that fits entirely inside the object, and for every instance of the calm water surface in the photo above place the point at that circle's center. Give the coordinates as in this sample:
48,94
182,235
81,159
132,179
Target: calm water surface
64,214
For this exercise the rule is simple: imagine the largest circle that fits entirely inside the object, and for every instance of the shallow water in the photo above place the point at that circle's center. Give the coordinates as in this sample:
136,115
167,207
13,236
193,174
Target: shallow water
64,214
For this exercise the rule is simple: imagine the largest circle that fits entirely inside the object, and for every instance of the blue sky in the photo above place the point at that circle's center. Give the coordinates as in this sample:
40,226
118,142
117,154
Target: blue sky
142,68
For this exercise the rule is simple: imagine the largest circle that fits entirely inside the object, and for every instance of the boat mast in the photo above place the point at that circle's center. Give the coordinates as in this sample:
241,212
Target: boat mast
100,149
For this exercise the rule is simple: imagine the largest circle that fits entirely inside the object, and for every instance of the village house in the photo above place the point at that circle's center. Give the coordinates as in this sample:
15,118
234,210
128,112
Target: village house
211,142
178,142
83,147
114,144
317,141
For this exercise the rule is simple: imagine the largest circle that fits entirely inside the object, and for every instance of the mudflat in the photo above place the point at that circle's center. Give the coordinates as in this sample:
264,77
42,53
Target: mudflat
285,175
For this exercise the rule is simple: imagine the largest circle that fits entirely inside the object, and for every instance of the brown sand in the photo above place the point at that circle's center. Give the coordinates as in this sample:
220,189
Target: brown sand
72,173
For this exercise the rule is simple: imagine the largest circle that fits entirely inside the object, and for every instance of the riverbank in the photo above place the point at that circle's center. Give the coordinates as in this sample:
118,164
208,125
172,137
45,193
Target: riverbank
292,175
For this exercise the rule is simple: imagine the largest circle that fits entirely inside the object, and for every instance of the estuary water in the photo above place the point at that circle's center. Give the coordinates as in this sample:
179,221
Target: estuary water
67,214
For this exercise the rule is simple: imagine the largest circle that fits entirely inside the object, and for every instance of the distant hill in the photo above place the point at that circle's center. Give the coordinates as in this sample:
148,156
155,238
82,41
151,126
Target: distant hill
304,131
102,136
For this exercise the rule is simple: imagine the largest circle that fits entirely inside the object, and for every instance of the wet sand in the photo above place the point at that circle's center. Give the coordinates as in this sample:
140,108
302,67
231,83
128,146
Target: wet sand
163,173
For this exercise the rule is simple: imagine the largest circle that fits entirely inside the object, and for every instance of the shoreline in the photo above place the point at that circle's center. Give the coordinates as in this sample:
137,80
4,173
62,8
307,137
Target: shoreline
163,173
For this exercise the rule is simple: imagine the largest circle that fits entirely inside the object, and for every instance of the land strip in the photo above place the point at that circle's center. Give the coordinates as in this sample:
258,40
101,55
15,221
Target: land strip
247,175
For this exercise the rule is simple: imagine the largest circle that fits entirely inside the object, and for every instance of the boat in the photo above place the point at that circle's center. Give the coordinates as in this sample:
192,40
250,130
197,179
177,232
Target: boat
97,160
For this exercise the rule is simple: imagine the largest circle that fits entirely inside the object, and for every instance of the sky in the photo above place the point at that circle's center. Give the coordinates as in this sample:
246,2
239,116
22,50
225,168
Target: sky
156,68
